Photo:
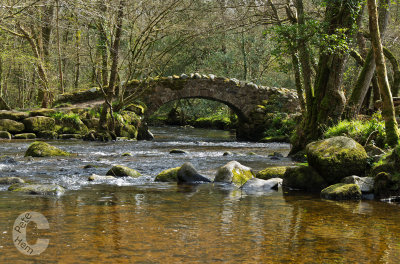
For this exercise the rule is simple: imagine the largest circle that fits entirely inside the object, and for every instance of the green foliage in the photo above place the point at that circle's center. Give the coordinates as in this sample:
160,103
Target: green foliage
360,130
280,124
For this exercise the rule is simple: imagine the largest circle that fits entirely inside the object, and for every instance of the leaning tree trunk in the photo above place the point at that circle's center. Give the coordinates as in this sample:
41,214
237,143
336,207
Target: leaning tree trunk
396,71
392,132
327,102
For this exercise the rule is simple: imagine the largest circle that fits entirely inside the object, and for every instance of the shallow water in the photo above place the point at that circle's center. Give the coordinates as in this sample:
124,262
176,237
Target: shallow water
139,221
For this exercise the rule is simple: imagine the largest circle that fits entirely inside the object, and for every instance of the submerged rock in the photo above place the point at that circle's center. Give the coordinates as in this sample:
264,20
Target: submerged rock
177,151
342,191
122,171
303,178
235,173
169,175
40,189
10,180
337,157
11,126
259,185
271,172
188,174
42,149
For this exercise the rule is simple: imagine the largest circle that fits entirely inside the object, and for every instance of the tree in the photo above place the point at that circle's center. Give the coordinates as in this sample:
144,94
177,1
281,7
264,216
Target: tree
391,127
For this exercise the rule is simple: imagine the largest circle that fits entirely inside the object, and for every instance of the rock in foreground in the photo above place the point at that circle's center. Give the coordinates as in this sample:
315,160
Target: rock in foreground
40,189
122,171
259,185
188,174
303,178
342,191
169,175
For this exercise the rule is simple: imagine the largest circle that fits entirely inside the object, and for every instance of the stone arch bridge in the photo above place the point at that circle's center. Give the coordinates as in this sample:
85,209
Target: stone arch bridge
249,102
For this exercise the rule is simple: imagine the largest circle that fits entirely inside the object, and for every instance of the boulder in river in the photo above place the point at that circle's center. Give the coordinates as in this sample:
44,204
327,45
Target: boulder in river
188,174
122,171
42,149
342,191
259,185
177,151
10,180
169,175
235,173
366,184
303,178
271,172
40,189
337,157
95,177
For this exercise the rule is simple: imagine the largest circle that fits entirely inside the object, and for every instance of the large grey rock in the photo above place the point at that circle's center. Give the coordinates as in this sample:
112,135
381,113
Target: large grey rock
235,173
188,174
40,189
366,184
337,157
259,185
11,126
342,191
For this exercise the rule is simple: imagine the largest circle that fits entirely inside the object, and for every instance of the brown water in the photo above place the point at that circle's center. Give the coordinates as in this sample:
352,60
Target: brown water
145,222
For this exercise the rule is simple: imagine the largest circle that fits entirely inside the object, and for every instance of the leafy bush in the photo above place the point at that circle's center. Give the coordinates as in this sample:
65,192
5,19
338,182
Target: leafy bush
360,130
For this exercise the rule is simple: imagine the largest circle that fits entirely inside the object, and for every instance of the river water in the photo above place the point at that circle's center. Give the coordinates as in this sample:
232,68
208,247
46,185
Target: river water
141,221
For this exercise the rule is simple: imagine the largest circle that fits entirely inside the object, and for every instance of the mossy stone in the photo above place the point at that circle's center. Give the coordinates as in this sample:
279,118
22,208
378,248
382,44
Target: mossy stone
39,123
42,112
271,172
337,157
13,115
39,189
5,135
342,191
303,178
126,154
122,171
47,134
11,126
235,173
43,149
10,180
25,136
169,175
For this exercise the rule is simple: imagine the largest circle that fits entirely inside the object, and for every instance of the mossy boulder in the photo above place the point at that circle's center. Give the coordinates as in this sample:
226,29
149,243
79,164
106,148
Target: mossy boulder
13,115
127,125
95,177
47,134
386,184
39,123
122,171
5,135
303,178
91,123
43,149
271,172
25,136
93,135
337,157
11,126
10,180
39,189
235,173
342,191
169,175
71,124
70,136
42,112
366,184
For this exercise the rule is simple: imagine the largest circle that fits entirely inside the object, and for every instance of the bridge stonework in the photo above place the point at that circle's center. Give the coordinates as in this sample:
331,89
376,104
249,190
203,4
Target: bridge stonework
249,101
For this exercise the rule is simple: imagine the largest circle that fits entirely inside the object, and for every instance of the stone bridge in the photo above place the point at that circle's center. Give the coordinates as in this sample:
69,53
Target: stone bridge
250,102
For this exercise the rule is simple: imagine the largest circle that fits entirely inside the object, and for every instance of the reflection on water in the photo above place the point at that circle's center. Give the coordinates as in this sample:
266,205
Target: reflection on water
147,222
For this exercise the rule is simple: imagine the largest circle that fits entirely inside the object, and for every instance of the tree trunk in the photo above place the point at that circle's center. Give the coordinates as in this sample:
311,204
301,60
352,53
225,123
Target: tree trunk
60,70
325,106
114,70
364,80
391,128
396,71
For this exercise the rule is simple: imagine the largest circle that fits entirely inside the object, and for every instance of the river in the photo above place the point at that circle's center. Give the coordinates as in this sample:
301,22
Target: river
142,221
